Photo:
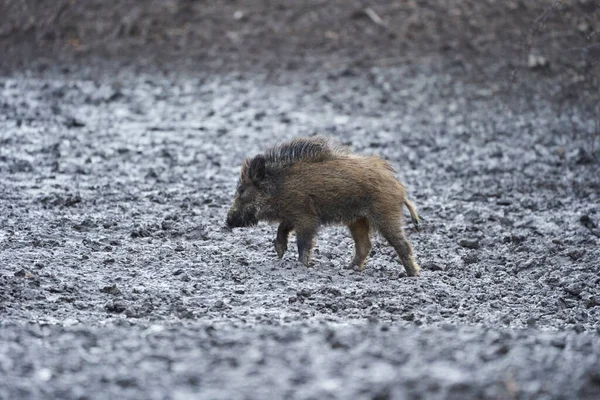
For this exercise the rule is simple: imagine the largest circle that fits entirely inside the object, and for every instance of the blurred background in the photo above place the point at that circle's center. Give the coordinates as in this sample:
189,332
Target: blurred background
560,38
555,43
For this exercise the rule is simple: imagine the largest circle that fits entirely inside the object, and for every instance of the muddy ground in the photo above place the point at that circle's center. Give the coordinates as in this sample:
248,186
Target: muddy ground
118,280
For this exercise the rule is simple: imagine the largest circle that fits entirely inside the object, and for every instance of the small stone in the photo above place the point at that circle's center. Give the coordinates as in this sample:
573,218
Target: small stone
586,221
583,27
584,157
115,307
126,382
197,233
219,305
537,62
44,374
592,301
74,123
575,288
469,243
111,289
576,254
22,274
408,317
471,258
238,15
433,266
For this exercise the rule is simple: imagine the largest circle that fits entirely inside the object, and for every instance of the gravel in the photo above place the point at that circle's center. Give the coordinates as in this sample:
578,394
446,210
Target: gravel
119,280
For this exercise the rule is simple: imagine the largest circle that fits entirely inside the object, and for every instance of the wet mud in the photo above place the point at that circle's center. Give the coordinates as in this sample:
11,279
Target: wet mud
118,278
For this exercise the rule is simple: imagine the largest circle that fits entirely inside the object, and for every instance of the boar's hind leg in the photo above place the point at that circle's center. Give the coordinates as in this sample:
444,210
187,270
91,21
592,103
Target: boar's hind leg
281,240
394,234
305,237
360,233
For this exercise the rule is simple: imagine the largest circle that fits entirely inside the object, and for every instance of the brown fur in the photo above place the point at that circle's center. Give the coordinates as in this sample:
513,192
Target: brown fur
307,183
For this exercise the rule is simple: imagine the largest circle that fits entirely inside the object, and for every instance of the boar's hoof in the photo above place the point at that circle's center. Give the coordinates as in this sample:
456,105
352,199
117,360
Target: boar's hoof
355,267
280,248
305,261
413,268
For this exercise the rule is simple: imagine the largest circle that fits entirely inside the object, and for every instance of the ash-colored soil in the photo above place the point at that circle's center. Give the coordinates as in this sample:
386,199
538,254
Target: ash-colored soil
118,279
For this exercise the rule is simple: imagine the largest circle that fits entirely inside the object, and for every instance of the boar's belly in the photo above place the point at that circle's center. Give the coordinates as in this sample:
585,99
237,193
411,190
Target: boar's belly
340,209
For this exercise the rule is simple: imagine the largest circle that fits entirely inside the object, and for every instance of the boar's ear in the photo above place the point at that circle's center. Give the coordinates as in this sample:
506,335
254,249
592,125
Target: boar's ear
257,168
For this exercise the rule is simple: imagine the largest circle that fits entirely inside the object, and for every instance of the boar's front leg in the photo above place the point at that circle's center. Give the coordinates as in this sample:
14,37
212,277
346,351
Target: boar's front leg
305,238
281,240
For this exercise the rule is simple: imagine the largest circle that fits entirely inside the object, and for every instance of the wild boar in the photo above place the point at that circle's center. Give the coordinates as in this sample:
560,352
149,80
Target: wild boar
308,182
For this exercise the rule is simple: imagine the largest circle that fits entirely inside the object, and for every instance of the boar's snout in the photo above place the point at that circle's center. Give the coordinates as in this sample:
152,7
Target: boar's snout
233,221
239,220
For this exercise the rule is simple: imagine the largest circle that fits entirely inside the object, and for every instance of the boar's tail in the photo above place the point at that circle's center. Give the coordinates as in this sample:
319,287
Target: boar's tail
414,217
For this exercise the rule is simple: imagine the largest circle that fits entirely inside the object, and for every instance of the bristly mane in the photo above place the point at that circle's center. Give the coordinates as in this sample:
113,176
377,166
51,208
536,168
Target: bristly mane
306,149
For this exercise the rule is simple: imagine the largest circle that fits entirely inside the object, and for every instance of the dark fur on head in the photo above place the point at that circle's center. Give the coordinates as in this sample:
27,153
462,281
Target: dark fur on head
255,182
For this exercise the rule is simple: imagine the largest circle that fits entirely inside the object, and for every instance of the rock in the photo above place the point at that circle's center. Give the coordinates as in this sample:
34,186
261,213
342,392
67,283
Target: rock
583,157
196,234
586,221
558,342
140,233
331,291
126,381
469,243
115,307
218,305
433,266
575,288
112,290
592,301
20,166
239,15
334,341
74,123
408,316
22,273
537,62
470,258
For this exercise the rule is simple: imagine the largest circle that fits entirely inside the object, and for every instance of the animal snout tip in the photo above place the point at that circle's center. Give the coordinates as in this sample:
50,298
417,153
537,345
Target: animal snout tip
231,221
